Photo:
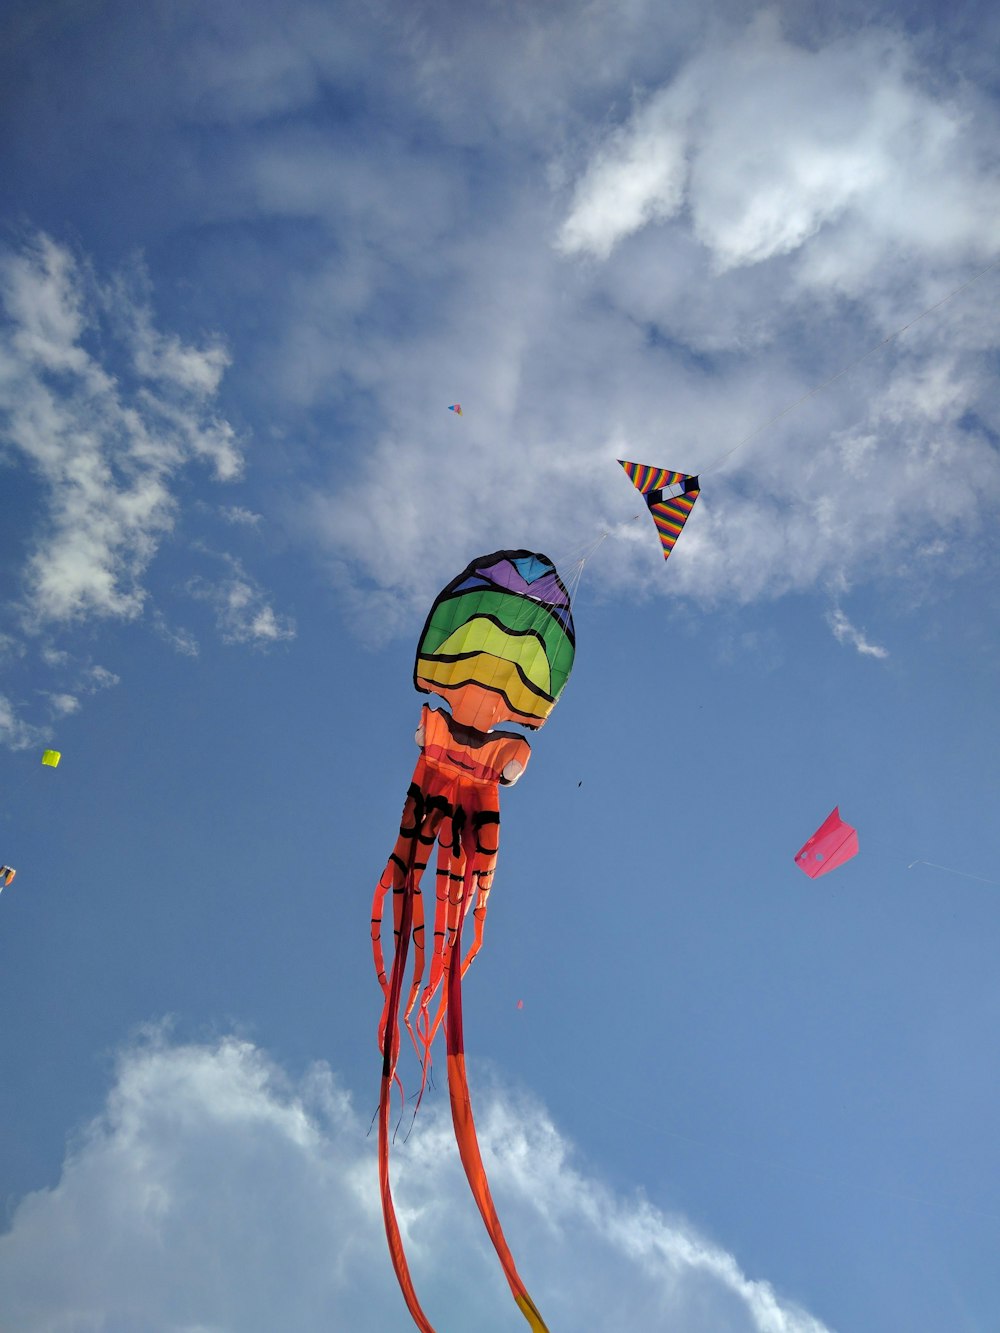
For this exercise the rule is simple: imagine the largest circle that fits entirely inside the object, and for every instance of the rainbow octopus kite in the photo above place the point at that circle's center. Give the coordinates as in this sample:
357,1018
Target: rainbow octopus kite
498,646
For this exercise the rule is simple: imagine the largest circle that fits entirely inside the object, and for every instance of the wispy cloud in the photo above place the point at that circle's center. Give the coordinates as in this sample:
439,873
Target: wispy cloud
106,451
845,632
100,678
24,725
110,415
732,239
207,1154
64,705
243,613
239,516
181,640
15,732
85,680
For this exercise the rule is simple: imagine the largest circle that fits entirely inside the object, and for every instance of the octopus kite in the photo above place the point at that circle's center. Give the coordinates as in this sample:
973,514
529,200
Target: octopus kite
498,646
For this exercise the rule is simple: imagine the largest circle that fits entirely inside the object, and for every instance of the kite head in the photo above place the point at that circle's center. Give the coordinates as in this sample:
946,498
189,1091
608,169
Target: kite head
498,644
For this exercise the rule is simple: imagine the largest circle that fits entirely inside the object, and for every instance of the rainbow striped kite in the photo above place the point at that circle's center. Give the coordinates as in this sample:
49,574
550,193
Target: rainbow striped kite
669,495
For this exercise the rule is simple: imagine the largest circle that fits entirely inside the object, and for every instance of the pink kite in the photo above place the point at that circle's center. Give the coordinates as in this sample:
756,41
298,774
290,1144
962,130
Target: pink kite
833,843
456,408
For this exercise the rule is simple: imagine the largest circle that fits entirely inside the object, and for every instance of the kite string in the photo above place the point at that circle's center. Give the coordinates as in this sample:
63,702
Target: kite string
575,559
850,366
950,870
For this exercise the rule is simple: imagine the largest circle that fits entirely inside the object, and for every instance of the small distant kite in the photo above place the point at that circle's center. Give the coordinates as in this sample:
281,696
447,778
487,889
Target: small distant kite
51,758
833,843
456,408
7,874
670,497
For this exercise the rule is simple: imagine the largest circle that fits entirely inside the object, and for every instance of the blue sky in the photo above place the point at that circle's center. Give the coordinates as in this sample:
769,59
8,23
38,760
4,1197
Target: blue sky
247,259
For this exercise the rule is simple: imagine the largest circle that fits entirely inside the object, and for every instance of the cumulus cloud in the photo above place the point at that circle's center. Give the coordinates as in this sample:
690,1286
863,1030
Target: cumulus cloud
111,415
106,453
639,176
845,632
766,143
733,241
643,235
216,1192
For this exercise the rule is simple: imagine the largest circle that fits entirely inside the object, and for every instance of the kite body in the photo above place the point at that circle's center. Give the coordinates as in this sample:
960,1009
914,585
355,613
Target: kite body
7,874
498,646
833,843
51,758
670,497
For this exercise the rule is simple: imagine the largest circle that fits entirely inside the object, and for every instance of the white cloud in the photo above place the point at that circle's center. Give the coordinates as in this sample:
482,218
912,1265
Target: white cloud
63,705
73,680
766,143
106,455
216,1193
181,640
638,177
239,516
163,358
242,611
780,207
109,414
15,733
100,678
636,234
845,632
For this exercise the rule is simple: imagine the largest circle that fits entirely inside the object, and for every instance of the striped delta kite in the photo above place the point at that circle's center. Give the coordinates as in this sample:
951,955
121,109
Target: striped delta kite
498,646
670,497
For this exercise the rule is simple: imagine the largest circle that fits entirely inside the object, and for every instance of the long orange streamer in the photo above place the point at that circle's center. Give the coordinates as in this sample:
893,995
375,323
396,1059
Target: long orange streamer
465,1128
459,812
390,1049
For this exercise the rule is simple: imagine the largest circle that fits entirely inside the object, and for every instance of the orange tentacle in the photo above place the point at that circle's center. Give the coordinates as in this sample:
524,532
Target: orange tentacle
390,1048
465,1133
402,875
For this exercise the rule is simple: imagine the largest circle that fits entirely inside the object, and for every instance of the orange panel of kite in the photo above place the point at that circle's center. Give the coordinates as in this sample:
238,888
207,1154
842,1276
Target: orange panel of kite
498,645
833,843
